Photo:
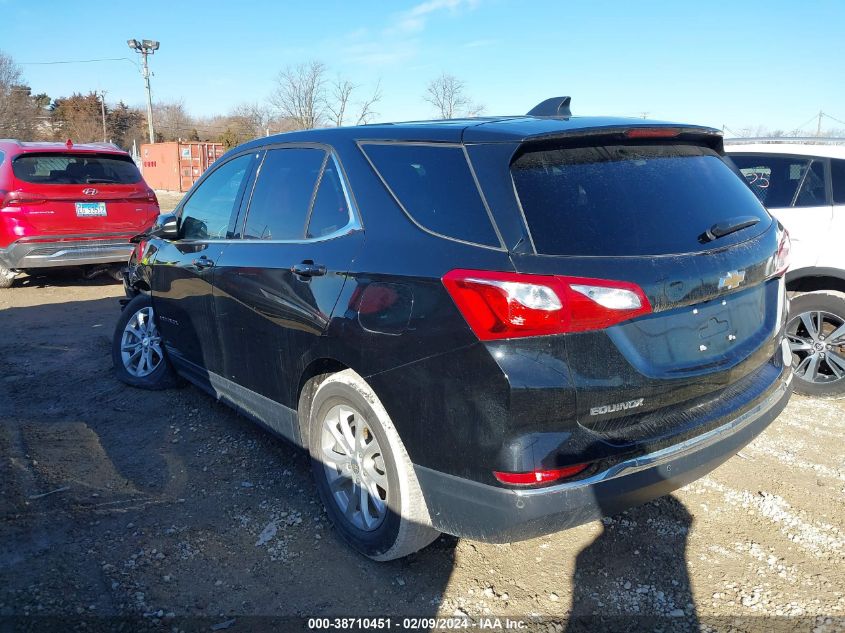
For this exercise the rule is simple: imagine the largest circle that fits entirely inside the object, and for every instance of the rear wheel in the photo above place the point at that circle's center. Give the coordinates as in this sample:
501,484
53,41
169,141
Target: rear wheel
7,277
137,351
363,473
816,333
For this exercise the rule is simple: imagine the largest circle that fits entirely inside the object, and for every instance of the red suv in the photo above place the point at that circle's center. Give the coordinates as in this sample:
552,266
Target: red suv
68,205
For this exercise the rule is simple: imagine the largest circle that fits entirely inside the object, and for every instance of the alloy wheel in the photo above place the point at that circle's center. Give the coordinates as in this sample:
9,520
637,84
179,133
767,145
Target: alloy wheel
817,341
354,465
140,344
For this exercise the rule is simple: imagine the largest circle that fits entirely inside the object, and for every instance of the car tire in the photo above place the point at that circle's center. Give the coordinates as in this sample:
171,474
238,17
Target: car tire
397,523
7,277
116,272
140,364
813,317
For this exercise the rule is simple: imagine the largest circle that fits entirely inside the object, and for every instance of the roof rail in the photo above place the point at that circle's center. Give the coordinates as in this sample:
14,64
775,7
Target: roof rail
556,106
812,140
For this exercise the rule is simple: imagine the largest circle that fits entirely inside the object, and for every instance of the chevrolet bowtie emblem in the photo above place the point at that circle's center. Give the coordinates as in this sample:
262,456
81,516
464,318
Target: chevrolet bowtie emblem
731,279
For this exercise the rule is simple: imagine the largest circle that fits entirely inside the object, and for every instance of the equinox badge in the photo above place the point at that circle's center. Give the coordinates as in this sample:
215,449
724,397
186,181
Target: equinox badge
619,406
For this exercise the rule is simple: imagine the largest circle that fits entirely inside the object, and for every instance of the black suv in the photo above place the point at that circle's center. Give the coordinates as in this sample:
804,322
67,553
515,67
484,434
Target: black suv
496,327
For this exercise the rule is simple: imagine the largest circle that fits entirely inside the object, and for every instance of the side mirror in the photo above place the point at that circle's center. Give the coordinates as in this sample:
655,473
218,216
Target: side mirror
166,227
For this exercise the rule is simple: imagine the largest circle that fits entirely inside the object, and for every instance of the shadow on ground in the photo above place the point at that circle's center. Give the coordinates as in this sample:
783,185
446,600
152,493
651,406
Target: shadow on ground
158,505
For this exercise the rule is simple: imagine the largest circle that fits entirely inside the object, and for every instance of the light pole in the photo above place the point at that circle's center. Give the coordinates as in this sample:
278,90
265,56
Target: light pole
144,48
103,110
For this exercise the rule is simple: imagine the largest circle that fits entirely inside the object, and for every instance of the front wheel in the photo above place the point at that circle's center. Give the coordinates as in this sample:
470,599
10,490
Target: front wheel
816,333
137,351
363,473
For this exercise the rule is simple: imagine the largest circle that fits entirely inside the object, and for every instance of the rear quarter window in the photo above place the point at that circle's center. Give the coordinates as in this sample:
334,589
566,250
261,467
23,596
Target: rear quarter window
435,187
75,169
630,200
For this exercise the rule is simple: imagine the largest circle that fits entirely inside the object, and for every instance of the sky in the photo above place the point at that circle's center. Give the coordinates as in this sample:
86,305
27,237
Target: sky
741,65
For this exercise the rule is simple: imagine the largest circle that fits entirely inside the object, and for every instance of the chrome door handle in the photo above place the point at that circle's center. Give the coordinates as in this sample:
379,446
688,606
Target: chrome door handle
203,262
308,269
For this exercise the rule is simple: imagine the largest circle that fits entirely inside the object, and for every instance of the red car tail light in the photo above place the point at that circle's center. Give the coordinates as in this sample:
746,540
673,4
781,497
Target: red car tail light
21,198
534,477
500,305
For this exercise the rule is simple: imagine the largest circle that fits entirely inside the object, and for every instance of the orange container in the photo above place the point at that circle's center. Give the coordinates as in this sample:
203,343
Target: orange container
176,166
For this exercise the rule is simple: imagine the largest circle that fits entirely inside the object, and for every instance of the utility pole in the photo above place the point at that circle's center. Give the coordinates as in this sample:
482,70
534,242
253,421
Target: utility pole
146,48
819,126
103,110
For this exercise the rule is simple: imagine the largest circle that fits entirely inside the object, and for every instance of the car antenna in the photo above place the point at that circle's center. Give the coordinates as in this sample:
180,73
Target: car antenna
554,107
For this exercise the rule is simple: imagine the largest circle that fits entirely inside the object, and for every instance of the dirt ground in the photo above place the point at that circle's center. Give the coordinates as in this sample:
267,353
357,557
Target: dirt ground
167,506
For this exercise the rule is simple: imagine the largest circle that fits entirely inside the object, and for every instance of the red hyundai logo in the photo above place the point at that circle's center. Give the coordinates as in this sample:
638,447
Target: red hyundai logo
90,191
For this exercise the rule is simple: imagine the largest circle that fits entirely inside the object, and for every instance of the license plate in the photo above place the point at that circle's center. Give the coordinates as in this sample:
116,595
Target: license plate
90,209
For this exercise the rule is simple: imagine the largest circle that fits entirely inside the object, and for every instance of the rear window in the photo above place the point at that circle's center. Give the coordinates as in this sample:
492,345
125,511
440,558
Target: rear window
435,187
75,169
618,200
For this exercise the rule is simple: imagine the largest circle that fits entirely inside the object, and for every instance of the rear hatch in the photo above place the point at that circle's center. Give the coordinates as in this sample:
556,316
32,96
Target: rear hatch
78,194
670,216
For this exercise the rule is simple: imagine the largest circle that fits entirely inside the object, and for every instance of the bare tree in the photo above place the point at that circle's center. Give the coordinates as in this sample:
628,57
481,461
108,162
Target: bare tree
254,119
19,110
447,94
304,98
299,94
337,99
365,111
172,120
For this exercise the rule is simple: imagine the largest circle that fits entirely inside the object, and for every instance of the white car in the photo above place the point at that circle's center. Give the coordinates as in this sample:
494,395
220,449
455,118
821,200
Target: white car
802,184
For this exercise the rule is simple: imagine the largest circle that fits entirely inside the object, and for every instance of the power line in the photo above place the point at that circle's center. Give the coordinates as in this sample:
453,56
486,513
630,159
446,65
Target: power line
810,120
80,61
833,118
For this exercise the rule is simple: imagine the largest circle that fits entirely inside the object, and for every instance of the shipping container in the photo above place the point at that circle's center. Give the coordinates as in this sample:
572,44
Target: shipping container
176,166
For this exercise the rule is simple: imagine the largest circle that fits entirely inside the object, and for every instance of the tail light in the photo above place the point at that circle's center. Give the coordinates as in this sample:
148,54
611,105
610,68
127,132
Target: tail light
782,258
500,305
21,198
652,132
535,477
148,196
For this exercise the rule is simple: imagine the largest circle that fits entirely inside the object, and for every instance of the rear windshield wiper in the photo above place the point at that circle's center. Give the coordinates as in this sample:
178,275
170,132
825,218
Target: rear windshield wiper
92,181
721,229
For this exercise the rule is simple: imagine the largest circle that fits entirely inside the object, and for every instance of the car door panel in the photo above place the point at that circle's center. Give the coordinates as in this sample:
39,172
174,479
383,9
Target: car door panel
269,317
274,297
183,273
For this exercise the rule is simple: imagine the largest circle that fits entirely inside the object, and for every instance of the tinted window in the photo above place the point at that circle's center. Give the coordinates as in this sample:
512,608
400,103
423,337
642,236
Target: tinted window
282,194
812,192
436,188
75,169
837,176
630,199
775,179
2,156
331,209
207,212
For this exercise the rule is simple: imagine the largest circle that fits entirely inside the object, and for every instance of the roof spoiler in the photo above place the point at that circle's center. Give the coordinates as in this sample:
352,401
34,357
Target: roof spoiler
556,106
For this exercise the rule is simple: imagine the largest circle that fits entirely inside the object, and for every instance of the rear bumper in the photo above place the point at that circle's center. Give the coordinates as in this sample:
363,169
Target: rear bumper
487,513
43,254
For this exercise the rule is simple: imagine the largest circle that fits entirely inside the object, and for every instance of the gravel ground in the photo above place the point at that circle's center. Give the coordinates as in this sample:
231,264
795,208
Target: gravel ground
160,505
